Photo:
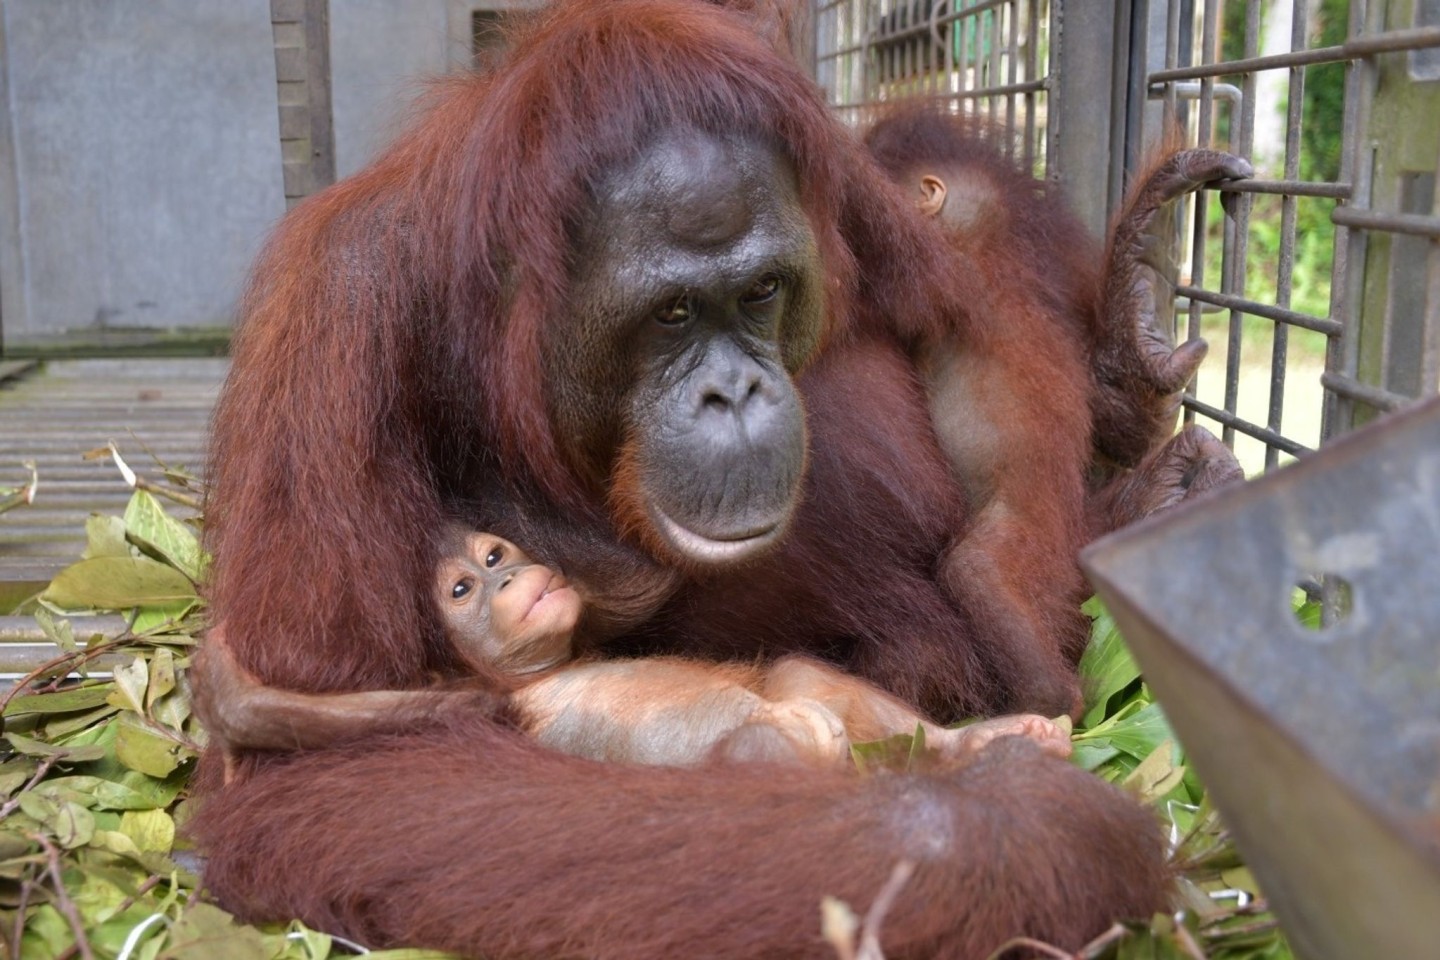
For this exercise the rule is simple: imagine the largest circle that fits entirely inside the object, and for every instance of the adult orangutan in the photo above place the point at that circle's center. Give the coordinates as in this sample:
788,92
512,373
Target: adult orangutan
571,303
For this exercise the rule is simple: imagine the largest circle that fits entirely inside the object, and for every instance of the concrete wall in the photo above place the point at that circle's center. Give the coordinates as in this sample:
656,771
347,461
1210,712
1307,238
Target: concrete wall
139,160
381,52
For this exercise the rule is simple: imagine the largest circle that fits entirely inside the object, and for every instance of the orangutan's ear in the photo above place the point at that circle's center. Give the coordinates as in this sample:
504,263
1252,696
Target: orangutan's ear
932,195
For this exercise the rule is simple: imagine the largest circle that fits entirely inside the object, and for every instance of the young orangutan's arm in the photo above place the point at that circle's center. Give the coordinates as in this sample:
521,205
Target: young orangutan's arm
241,713
870,713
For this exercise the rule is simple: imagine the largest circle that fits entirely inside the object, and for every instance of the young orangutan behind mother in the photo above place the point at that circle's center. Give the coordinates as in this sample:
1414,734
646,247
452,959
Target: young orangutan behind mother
572,303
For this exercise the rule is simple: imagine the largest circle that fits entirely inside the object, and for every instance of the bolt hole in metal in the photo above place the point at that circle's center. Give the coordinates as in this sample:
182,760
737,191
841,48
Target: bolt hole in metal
1328,600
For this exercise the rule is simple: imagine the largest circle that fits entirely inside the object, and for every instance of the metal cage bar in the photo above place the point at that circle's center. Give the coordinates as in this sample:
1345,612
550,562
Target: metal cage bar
1086,89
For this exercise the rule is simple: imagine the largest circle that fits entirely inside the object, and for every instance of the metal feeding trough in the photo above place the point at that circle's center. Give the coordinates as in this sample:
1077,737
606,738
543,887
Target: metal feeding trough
1319,745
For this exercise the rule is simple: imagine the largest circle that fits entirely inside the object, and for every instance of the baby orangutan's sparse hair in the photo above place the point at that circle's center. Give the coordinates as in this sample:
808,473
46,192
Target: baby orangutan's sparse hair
503,611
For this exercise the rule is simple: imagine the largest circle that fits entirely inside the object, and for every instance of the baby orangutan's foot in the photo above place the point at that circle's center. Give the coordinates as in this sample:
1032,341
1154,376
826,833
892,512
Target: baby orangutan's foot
967,741
788,731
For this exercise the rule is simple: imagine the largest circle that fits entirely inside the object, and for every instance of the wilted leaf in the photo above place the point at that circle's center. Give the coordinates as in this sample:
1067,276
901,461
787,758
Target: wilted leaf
145,751
131,679
118,583
56,629
205,932
1156,775
152,528
105,537
162,676
15,773
172,709
60,701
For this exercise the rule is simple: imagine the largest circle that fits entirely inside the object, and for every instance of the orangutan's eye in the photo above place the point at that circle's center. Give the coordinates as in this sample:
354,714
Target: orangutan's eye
762,291
462,589
674,313
494,556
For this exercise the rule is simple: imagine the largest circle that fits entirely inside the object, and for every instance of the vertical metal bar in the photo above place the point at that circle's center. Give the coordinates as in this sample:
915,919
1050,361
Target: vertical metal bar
1299,24
1085,76
1032,71
1359,97
1122,38
1209,33
1170,117
1240,204
1012,74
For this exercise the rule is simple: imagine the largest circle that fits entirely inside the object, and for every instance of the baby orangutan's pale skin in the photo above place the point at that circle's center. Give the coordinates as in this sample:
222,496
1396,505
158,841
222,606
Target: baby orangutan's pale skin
502,610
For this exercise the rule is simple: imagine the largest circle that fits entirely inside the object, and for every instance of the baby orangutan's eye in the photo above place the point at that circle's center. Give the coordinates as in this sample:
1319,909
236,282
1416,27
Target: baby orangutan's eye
494,556
462,589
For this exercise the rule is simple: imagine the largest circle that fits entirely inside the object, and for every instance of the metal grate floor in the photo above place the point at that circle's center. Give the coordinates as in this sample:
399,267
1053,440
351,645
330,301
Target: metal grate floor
53,413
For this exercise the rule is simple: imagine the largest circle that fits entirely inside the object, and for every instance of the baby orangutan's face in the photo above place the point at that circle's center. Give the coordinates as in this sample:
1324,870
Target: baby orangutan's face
502,608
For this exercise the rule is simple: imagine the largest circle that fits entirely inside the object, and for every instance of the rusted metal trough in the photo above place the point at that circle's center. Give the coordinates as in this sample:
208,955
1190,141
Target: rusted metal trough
1321,747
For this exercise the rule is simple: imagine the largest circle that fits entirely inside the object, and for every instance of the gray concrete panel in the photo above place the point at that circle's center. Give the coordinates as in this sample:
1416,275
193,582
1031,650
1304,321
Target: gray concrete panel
143,160
381,52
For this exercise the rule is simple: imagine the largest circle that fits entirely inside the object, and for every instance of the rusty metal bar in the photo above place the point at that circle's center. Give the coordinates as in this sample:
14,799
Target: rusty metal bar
1413,224
1239,424
1281,315
1377,397
1294,188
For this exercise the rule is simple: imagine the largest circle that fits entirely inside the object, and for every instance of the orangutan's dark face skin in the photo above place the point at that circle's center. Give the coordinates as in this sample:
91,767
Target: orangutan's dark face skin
696,295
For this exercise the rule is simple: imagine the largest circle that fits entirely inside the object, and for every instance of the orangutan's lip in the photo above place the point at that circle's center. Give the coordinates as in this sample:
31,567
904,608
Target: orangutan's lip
711,550
555,584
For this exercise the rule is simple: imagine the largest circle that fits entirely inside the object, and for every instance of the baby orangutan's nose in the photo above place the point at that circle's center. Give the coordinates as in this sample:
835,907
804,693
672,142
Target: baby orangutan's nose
505,582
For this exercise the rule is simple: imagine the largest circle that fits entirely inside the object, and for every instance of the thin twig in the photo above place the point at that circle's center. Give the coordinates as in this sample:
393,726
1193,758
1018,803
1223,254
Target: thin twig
25,886
169,493
72,660
63,903
1187,943
1115,934
1050,950
140,891
1259,926
40,771
870,931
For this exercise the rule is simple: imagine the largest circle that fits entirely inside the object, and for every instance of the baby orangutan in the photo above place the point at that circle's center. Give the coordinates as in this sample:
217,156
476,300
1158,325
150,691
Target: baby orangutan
501,610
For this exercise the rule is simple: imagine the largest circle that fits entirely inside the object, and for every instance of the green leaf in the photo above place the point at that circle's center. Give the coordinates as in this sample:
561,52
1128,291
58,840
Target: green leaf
60,701
36,748
106,538
152,528
891,753
1107,667
145,751
151,619
76,722
151,830
72,825
118,583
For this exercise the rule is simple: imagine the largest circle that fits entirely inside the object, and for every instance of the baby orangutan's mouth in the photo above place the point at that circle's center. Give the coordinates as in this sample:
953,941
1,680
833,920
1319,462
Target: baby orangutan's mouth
555,584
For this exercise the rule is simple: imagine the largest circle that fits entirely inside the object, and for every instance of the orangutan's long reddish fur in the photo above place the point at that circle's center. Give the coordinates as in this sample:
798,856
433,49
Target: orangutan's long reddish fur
472,840
388,369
